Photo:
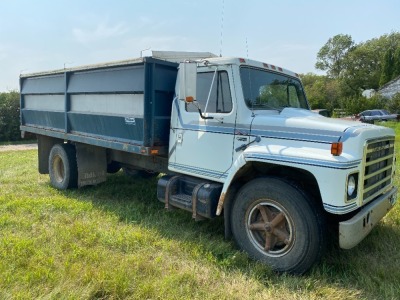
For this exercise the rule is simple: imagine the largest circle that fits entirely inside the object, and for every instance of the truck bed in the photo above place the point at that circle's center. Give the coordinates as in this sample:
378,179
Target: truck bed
123,105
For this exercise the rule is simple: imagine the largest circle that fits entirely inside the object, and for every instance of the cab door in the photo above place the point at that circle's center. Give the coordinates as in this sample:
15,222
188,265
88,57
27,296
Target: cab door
203,146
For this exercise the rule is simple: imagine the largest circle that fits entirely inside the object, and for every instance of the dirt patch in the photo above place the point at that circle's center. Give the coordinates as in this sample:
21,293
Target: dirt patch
18,147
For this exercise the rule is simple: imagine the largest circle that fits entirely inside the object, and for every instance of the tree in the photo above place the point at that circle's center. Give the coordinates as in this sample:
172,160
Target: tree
387,68
396,64
322,92
9,116
362,69
330,56
352,68
390,68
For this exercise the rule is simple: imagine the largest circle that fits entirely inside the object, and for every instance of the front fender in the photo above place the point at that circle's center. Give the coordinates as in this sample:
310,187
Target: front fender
236,166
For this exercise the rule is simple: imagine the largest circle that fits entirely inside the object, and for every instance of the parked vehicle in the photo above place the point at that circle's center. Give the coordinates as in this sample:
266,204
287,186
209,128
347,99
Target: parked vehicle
370,116
234,138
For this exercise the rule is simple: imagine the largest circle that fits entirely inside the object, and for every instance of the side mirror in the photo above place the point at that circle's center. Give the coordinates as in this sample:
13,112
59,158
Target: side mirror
188,80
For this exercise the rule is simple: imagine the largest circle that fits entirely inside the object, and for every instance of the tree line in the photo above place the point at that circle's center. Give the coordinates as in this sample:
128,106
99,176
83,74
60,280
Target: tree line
351,69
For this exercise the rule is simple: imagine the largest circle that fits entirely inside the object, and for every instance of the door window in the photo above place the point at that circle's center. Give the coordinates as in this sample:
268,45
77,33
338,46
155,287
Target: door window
213,93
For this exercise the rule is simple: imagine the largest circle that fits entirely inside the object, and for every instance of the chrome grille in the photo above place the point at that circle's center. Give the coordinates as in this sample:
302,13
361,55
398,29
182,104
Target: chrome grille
378,165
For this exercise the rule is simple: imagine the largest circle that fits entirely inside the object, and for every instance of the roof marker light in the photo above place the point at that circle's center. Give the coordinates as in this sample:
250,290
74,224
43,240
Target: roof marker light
242,60
273,67
265,66
280,69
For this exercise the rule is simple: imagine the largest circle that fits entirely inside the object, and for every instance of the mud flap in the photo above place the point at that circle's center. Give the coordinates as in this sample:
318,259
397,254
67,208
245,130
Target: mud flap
92,164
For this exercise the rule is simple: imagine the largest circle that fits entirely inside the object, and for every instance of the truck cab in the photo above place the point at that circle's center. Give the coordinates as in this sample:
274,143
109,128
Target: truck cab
249,128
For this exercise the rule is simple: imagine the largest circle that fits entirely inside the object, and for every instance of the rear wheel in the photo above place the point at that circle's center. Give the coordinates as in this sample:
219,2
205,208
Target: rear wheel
277,224
63,169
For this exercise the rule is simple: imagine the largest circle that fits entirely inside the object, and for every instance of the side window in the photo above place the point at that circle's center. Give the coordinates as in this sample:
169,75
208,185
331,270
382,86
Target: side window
213,93
293,96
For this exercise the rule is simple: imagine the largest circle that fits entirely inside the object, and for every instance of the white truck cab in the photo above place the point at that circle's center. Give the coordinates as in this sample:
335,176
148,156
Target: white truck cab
250,128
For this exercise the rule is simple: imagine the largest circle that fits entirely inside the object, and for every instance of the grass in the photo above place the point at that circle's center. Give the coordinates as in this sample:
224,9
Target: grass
116,241
20,142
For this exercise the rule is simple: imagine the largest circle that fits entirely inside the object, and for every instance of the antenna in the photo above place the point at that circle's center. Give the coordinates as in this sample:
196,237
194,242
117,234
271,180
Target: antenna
222,27
68,63
247,49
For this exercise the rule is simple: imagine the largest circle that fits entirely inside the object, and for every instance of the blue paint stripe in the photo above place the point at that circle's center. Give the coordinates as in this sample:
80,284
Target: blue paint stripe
304,161
288,135
195,170
340,209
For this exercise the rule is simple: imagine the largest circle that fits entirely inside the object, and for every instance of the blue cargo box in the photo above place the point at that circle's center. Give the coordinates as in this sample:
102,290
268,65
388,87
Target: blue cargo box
123,105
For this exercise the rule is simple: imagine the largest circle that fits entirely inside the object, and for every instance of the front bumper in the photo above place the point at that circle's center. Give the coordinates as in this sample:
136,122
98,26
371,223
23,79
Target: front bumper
354,230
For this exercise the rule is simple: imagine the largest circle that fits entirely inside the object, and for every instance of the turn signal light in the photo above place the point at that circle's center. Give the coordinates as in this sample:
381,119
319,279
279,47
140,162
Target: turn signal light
189,99
336,148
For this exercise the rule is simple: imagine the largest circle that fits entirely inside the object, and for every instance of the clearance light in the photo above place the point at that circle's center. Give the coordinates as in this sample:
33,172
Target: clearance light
273,67
242,60
336,148
189,99
266,66
154,151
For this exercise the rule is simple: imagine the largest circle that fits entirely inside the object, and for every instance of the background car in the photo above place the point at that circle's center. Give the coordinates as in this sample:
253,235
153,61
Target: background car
370,116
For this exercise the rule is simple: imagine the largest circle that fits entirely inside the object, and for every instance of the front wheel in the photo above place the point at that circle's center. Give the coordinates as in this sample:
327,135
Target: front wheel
277,224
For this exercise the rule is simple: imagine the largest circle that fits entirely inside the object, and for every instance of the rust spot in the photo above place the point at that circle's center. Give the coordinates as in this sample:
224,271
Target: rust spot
220,204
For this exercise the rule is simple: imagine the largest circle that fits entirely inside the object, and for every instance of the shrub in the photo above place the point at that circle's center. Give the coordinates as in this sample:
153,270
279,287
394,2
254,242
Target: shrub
356,104
393,105
9,116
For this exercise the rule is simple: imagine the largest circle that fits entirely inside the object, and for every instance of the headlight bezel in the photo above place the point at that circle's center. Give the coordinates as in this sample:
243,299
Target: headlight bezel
352,186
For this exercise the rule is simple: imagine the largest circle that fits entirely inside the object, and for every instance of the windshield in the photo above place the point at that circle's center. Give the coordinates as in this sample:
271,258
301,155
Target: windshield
264,90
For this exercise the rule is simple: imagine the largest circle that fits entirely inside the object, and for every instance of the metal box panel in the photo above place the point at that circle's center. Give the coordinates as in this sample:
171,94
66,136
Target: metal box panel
52,84
44,119
108,80
118,106
107,127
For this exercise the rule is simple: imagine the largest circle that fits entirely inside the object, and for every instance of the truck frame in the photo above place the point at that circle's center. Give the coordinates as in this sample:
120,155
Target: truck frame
232,137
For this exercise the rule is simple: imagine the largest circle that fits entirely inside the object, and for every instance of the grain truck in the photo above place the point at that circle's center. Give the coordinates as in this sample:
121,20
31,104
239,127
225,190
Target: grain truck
230,137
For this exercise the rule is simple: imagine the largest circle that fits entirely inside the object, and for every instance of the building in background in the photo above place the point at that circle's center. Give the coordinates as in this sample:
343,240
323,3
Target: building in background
391,88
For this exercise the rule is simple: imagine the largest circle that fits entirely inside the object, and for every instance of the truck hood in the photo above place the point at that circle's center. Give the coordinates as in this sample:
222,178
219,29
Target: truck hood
301,124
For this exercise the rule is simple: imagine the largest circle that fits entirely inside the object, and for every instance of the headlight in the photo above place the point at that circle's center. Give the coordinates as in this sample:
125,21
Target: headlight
352,186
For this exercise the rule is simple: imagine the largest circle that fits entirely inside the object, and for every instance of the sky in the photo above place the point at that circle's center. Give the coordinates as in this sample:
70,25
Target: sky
40,35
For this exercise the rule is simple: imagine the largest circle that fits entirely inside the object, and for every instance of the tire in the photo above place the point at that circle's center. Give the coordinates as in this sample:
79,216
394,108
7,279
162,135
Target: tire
63,169
278,225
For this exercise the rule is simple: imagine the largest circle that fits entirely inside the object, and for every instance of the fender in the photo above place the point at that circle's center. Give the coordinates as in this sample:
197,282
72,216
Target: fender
321,169
236,166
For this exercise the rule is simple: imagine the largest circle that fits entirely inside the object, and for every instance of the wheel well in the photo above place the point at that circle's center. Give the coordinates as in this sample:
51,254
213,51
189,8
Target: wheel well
299,178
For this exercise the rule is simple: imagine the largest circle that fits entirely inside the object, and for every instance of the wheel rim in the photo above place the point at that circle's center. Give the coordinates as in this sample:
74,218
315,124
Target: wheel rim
270,228
58,167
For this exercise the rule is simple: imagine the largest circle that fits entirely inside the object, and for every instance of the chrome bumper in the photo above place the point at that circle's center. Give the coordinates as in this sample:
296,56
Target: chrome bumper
354,230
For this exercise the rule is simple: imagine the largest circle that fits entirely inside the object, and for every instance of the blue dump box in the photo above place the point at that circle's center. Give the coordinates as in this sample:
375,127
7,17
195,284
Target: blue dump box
123,105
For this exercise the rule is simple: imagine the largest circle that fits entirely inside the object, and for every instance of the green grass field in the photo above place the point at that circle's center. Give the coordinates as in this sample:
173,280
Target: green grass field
116,241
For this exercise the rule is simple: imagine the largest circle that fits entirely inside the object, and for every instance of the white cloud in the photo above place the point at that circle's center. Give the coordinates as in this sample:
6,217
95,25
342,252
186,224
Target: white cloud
101,32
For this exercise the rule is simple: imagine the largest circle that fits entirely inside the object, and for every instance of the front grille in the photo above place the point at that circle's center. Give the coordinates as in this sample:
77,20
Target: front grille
378,167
